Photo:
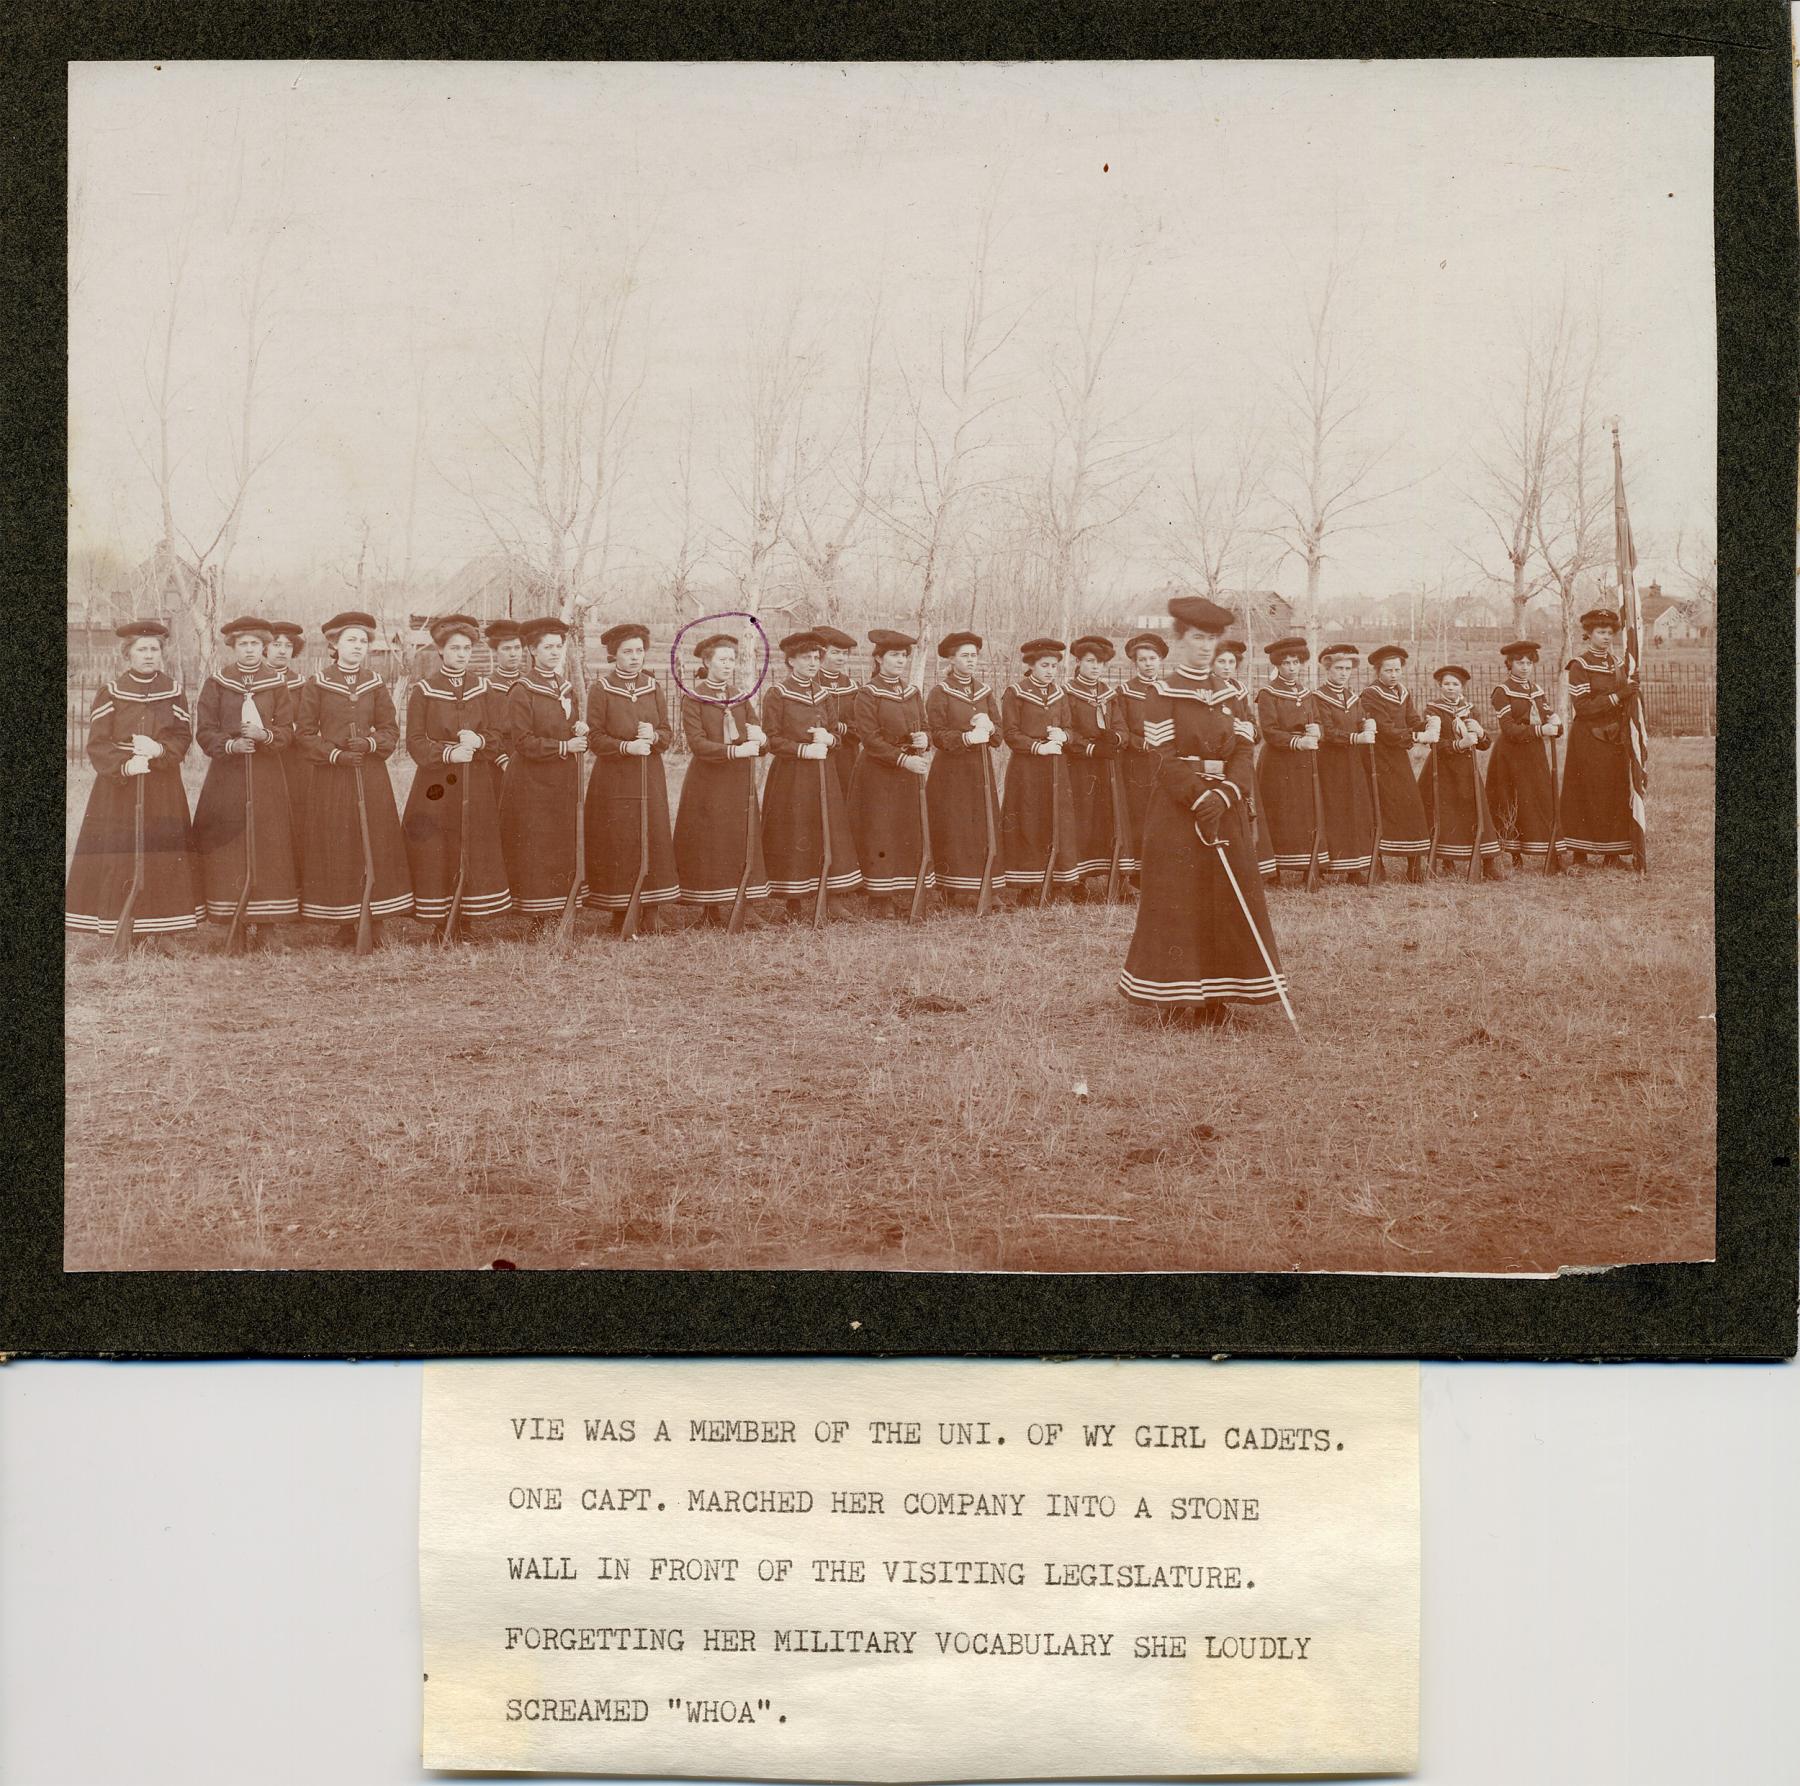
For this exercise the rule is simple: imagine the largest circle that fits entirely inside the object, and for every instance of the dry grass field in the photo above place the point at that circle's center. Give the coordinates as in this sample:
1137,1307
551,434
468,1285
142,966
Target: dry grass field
1492,1078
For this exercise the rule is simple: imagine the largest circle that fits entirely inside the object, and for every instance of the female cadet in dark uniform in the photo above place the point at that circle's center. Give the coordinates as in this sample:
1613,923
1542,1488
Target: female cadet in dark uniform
508,665
1228,661
347,729
452,821
1092,756
1037,816
1138,765
718,824
627,826
803,801
546,741
836,676
1345,741
138,733
243,721
964,723
1193,952
1284,769
1448,783
887,792
286,643
1596,791
1519,790
1399,725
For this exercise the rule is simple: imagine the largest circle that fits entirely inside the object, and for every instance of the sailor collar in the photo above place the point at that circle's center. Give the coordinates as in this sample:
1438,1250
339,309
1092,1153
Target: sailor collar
1461,704
232,677
642,687
1095,692
1524,694
1295,691
811,695
557,692
447,688
1027,690
1199,686
1338,697
333,677
893,691
1394,695
1608,662
130,686
1136,687
969,690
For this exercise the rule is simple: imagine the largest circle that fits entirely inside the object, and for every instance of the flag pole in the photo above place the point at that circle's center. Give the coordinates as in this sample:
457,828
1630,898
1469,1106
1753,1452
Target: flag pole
1637,739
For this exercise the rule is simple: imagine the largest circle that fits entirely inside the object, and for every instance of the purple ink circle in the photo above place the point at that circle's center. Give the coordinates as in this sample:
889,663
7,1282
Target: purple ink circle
762,675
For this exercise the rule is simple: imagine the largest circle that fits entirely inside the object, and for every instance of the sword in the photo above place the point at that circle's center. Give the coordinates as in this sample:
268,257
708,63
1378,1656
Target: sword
1262,948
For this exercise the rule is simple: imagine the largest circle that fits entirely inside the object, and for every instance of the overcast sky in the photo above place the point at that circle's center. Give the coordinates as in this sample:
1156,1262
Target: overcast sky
426,209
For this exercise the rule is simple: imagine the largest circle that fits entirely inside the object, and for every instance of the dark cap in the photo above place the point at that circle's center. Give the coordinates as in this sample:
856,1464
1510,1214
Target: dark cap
1146,642
830,635
1294,647
247,623
1328,652
615,636
1236,647
883,640
1033,649
1451,670
499,631
288,629
449,626
1599,617
1101,648
142,629
709,645
951,643
1382,653
532,631
797,644
1199,615
350,617
1519,648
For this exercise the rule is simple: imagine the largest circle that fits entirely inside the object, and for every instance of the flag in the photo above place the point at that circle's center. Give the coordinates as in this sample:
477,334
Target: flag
1631,615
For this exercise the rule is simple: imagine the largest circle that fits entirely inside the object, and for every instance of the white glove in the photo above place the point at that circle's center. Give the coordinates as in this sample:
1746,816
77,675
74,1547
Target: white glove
1305,743
1057,735
576,746
813,753
580,728
636,747
145,747
755,734
1050,748
136,766
469,740
822,738
739,751
974,736
918,765
242,746
462,753
646,731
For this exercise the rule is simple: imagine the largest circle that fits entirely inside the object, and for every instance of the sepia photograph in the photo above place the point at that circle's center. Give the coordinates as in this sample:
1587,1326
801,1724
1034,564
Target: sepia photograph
947,667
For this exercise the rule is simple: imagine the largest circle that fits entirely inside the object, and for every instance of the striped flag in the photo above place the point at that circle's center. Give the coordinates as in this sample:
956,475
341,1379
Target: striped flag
1632,618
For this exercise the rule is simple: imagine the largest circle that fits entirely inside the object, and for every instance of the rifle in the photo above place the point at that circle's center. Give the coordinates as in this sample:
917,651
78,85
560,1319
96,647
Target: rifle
365,918
1431,855
453,917
1377,867
565,925
1115,775
1312,861
1483,822
121,943
984,900
1553,863
1056,792
739,899
634,910
819,905
234,937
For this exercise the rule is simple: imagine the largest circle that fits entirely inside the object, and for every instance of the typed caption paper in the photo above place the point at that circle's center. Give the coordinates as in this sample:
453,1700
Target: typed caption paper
920,1570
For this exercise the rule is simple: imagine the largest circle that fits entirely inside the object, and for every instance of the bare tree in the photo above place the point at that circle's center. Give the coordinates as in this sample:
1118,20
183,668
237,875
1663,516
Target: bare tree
691,548
774,373
1515,459
1697,558
1574,517
1324,472
831,480
567,439
1092,475
1219,508
949,408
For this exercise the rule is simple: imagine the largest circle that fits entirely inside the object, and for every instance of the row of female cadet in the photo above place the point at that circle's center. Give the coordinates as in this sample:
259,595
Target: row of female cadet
297,816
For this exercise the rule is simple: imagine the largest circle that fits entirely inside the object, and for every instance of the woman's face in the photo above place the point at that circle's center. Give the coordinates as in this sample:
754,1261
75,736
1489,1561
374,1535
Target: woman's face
144,655
1518,669
281,651
1089,663
1195,650
1337,672
1451,686
547,653
1388,672
836,656
1044,668
247,650
964,658
1289,666
892,664
1225,662
629,658
804,665
351,646
1601,638
509,654
721,663
1149,664
456,652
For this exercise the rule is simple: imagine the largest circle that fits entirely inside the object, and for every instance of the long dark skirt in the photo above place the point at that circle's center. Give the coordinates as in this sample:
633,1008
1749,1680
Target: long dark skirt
885,802
1349,810
792,829
434,827
1139,770
1192,945
717,821
1405,831
1091,792
298,773
1519,795
106,853
227,832
958,791
1451,799
627,808
1026,827
333,888
1596,792
537,831
1284,801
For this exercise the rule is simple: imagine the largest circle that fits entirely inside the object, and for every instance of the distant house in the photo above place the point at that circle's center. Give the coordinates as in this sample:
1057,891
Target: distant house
1669,621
